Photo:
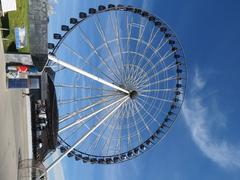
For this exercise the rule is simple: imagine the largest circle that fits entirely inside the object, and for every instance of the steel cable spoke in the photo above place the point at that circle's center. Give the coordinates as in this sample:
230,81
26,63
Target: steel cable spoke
101,32
87,62
87,40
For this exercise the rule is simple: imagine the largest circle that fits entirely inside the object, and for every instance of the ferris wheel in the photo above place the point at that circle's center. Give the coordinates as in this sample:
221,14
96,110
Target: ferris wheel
120,81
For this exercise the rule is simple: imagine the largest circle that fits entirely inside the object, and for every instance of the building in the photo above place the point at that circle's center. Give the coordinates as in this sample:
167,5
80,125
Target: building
44,116
44,110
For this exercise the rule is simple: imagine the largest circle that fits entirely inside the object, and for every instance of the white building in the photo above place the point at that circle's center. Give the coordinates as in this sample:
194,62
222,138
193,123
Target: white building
7,5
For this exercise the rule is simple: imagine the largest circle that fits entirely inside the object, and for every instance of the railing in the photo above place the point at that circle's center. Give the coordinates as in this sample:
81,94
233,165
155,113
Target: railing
29,169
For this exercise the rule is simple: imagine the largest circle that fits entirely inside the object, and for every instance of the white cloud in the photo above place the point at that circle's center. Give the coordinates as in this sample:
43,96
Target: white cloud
112,172
117,171
198,80
51,5
202,117
57,172
146,4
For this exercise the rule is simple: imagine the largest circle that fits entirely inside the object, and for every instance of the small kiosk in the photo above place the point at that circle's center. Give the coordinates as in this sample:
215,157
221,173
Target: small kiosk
22,76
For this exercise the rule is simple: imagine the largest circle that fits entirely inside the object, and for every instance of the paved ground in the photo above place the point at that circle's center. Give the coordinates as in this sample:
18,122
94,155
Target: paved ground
14,127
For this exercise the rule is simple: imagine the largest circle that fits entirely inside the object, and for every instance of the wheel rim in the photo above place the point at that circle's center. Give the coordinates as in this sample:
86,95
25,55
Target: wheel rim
145,58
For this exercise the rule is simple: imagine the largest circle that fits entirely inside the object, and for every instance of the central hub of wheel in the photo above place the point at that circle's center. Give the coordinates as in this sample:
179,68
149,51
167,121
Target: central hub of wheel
133,94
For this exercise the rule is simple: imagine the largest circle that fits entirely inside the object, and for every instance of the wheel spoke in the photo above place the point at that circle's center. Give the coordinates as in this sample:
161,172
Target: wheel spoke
70,115
88,41
87,62
89,116
101,32
67,101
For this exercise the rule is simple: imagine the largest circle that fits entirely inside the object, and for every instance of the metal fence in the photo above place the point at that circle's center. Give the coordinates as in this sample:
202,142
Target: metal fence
31,169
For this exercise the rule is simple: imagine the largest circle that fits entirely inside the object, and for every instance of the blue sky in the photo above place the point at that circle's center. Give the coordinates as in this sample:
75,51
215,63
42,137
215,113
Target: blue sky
204,142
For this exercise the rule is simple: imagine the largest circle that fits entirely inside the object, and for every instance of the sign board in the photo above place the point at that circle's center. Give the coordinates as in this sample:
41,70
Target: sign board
8,5
20,37
17,83
22,83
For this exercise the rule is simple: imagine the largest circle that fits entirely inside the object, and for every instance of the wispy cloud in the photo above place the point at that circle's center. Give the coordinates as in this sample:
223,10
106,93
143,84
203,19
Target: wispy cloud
117,171
57,172
112,172
51,5
146,4
199,82
200,116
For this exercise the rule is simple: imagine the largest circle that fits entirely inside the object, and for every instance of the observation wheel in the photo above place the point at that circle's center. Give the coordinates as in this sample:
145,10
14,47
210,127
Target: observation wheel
120,81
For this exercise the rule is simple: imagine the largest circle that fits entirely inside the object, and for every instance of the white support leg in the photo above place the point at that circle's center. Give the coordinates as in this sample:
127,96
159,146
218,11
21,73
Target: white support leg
80,71
85,136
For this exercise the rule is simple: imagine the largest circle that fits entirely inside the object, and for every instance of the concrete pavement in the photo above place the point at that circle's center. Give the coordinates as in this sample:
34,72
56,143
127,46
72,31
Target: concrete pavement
15,140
